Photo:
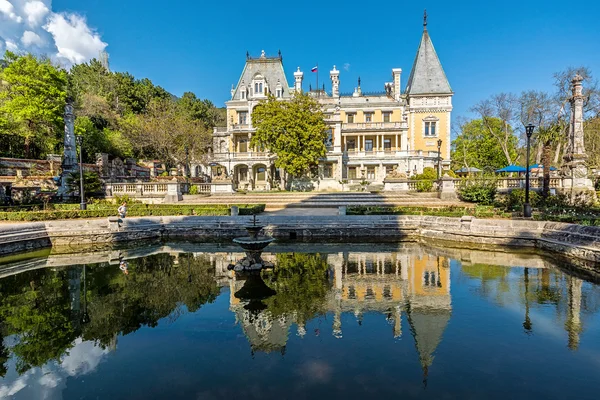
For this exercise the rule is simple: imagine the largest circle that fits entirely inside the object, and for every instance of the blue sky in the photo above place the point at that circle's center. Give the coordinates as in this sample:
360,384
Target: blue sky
200,46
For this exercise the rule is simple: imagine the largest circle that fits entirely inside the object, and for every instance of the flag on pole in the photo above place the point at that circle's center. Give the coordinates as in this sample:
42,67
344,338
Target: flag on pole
314,69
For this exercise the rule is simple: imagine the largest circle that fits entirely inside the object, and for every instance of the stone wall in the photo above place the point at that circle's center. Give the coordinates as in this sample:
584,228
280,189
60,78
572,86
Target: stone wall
573,241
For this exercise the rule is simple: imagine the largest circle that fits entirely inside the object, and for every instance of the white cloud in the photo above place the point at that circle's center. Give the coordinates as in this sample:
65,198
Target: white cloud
74,39
31,38
8,9
35,12
34,26
347,67
49,381
11,46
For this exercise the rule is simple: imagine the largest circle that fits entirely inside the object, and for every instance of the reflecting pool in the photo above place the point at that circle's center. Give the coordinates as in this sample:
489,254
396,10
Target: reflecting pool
329,321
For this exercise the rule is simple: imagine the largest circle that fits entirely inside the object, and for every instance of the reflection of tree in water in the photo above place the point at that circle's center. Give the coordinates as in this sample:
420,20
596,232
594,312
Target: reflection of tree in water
43,308
36,307
300,281
301,286
536,288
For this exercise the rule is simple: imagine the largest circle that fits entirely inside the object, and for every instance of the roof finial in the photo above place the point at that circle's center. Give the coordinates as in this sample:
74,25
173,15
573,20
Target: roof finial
425,20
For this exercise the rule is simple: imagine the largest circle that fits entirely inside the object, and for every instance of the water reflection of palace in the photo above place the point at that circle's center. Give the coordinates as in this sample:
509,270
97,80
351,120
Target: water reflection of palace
393,284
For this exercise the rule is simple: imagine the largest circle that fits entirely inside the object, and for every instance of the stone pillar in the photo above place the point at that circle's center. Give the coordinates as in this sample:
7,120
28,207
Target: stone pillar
574,169
298,77
335,82
337,137
396,74
447,189
173,193
70,149
69,163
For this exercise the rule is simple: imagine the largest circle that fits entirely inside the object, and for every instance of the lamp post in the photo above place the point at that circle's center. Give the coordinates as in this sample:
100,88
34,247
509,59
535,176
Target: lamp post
82,205
439,160
527,207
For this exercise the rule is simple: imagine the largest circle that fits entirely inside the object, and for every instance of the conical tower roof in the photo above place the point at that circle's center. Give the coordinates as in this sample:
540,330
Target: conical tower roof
427,75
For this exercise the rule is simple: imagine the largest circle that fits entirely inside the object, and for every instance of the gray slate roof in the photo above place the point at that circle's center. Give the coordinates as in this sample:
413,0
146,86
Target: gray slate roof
427,75
269,67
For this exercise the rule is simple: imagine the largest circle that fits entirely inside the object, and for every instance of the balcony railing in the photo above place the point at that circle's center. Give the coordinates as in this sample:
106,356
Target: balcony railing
240,155
371,126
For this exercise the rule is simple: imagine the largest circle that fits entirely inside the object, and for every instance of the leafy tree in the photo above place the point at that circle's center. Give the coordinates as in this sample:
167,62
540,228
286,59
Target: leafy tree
169,134
91,182
498,114
32,101
475,145
294,130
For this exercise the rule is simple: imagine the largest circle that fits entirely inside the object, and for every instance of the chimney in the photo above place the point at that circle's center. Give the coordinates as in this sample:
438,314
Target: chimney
298,76
396,74
335,82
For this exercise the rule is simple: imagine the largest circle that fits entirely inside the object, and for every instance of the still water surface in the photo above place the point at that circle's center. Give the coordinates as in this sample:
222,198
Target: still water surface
346,321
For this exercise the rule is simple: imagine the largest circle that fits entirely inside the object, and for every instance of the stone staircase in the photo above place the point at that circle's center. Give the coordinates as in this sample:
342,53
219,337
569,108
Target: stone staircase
326,200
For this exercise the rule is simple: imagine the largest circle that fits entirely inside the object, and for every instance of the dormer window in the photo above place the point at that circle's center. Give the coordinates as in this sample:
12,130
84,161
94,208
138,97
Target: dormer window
278,93
259,85
243,94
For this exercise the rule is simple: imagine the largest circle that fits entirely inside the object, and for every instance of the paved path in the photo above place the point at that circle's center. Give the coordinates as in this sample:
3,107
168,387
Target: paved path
302,211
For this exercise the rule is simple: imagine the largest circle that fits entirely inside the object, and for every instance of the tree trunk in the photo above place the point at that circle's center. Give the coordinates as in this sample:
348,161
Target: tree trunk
557,152
546,159
540,150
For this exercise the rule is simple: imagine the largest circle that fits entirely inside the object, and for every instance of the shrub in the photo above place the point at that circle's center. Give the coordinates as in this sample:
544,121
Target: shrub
428,174
193,189
516,198
424,185
482,192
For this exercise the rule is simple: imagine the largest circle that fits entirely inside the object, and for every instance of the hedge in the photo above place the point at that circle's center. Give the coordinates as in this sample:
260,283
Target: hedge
165,210
481,212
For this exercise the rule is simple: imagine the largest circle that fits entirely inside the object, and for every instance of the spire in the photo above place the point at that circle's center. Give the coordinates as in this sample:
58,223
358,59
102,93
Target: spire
427,75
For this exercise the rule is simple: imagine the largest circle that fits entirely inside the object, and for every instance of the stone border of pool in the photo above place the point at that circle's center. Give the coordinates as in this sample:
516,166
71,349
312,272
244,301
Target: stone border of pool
574,241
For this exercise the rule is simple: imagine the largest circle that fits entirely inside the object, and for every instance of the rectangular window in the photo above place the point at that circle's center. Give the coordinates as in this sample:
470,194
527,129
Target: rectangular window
243,145
370,172
387,144
350,118
242,117
261,174
351,172
350,144
386,116
368,117
278,93
243,94
369,145
243,174
430,128
328,171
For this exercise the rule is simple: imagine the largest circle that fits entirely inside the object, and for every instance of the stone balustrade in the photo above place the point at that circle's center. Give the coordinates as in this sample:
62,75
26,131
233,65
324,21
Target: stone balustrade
167,191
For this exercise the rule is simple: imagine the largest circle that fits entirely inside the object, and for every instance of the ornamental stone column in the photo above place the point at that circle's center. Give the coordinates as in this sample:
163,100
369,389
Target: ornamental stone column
574,169
69,163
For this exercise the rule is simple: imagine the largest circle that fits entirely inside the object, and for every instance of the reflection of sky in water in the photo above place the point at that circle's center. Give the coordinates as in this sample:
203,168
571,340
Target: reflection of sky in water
49,381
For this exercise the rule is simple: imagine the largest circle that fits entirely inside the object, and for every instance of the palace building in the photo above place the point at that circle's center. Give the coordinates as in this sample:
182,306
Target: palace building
394,133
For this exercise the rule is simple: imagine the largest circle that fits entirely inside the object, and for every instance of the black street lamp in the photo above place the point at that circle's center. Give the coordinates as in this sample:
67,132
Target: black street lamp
527,207
82,205
439,160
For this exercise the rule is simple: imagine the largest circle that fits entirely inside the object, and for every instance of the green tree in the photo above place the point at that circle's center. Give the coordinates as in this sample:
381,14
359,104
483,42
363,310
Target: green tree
91,183
476,147
170,134
294,130
32,102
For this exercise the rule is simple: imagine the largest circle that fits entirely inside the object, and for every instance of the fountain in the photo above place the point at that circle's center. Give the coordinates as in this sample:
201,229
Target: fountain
254,246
